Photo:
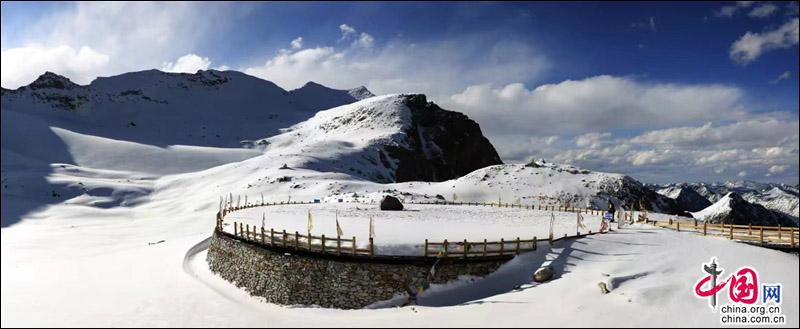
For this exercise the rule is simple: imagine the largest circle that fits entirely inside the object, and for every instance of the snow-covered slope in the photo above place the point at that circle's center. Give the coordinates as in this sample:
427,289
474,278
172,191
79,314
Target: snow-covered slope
733,209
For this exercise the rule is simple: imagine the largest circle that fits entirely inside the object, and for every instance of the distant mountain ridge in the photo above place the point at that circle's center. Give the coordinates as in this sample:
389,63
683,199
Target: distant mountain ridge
782,198
207,108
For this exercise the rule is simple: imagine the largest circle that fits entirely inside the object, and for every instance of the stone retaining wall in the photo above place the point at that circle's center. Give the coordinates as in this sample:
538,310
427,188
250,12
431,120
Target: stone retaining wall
289,277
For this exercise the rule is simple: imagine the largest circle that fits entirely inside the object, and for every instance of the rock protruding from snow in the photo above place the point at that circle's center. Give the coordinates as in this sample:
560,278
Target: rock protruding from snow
733,209
543,274
391,203
442,144
50,80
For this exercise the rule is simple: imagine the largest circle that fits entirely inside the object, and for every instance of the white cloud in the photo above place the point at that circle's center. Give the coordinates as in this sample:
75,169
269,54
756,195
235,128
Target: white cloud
777,169
783,76
602,103
22,65
729,11
437,68
364,41
297,43
763,10
346,30
752,45
189,63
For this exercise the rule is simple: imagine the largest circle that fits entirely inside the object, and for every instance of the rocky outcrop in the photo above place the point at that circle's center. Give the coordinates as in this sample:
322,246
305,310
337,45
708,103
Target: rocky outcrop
443,145
391,203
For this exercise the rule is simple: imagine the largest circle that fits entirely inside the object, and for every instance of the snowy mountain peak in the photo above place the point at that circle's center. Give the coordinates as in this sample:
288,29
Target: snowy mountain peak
390,138
360,93
732,208
315,97
50,80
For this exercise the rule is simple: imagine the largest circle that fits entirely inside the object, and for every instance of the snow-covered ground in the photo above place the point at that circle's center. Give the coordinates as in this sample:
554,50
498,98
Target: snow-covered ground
107,275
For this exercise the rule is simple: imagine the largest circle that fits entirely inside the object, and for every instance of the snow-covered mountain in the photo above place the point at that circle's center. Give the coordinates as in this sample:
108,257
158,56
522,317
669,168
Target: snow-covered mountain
386,139
141,124
208,108
686,198
774,196
733,209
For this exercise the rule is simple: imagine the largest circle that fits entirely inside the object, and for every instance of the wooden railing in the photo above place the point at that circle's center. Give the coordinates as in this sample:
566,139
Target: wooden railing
761,235
305,242
344,246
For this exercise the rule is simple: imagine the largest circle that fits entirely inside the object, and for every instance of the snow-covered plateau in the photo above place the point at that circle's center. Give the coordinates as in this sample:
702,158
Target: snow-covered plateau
110,192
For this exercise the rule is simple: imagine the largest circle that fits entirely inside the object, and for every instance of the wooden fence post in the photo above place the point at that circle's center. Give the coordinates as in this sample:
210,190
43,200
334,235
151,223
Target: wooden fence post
323,243
445,247
284,238
731,231
271,237
534,243
750,229
466,247
484,247
678,226
791,237
761,234
263,236
371,248
704,227
502,246
517,251
426,248
779,233
235,229
296,240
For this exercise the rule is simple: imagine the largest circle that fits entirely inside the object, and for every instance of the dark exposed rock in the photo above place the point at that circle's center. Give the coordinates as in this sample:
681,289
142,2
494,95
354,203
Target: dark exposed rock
52,80
543,274
391,203
634,195
444,145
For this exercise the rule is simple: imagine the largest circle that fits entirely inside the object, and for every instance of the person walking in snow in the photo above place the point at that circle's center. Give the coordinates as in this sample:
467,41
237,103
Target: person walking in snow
612,210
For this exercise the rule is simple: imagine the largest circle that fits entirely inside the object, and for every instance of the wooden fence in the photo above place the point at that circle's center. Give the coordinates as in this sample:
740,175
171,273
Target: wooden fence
344,246
761,235
306,242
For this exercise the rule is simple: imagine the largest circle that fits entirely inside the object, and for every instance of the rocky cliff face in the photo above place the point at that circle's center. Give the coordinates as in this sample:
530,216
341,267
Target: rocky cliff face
443,144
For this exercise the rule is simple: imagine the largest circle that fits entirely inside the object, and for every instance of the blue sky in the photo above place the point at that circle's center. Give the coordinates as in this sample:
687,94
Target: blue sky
640,77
